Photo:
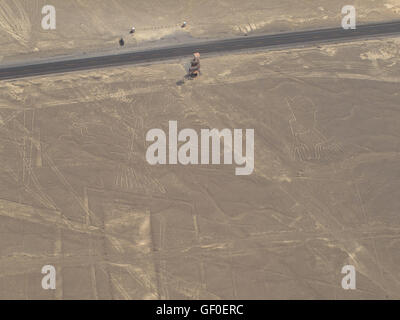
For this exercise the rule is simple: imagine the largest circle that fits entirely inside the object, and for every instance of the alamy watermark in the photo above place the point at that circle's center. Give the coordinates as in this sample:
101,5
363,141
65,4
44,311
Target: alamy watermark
349,20
196,151
49,280
349,280
49,20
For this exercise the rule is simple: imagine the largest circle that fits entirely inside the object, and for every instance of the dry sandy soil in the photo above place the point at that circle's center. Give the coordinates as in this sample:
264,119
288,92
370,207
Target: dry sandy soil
95,25
76,191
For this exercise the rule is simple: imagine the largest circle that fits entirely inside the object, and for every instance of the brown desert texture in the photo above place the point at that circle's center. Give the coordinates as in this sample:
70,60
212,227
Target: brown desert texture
93,26
76,191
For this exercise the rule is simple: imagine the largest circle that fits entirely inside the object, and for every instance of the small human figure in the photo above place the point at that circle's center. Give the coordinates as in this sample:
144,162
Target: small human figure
183,24
132,30
121,42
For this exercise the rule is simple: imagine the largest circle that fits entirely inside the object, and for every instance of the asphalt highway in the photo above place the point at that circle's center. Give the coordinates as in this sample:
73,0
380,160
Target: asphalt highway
216,46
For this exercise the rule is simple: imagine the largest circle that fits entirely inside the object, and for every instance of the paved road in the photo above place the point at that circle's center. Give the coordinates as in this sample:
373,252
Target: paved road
151,55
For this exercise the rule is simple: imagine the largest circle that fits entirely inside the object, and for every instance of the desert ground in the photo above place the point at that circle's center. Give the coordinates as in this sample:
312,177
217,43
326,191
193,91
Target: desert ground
76,191
87,26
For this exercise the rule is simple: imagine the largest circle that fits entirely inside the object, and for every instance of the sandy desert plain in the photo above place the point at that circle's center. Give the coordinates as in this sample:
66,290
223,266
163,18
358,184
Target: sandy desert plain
76,191
93,26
